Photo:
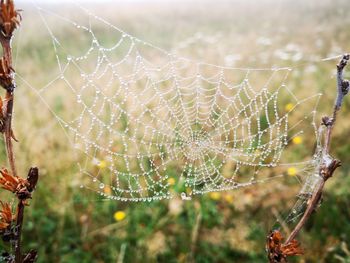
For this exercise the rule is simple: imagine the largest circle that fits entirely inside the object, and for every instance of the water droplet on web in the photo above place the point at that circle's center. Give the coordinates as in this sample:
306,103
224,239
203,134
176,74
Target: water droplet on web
101,186
184,196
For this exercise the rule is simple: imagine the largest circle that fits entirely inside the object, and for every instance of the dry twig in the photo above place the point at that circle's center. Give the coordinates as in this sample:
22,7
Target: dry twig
326,171
10,19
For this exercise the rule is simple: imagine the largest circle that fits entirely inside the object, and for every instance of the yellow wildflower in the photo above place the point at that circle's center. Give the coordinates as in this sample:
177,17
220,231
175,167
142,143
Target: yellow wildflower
171,181
102,164
228,198
119,215
107,190
297,140
292,171
215,196
289,106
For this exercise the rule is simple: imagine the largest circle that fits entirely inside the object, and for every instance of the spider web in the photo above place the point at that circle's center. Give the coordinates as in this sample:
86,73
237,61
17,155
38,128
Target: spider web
151,124
311,180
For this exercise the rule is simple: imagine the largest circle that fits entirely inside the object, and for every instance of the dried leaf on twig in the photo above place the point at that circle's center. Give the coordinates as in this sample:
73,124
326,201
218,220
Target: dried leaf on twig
10,17
277,251
6,216
5,73
14,184
32,178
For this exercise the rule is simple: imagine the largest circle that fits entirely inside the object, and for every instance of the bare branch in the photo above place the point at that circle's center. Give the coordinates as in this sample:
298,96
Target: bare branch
329,164
342,85
9,20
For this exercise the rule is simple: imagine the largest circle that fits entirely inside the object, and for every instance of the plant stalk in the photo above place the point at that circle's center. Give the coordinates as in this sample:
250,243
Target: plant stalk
8,132
329,165
8,137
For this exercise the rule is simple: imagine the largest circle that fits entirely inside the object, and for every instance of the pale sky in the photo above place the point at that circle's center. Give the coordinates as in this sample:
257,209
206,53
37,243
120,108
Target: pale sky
87,1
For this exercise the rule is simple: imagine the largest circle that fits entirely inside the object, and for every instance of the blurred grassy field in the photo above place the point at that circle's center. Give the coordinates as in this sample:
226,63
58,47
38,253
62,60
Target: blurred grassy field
67,224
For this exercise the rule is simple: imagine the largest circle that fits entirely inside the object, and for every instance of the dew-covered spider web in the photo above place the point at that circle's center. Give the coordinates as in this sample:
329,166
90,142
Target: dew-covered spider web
148,124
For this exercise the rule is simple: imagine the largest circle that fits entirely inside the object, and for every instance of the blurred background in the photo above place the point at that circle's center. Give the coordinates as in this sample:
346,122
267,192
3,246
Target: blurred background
68,224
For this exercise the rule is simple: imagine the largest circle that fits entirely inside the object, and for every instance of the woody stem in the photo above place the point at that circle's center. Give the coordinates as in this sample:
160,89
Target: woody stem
8,113
8,132
311,207
327,168
8,106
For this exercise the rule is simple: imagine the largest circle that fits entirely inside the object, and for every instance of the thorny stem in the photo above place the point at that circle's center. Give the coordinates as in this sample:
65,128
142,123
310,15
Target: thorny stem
8,107
9,22
8,111
8,131
8,136
329,164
